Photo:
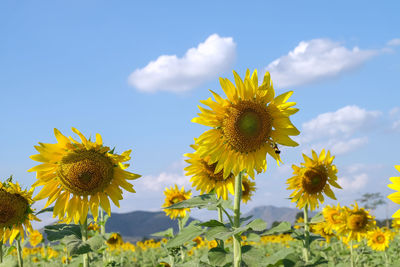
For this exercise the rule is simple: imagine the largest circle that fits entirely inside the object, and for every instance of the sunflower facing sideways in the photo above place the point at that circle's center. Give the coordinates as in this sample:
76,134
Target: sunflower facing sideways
313,178
248,189
172,196
246,126
80,175
204,177
15,211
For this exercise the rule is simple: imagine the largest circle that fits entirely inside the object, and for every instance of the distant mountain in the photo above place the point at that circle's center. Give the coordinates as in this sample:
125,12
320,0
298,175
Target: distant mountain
136,225
271,214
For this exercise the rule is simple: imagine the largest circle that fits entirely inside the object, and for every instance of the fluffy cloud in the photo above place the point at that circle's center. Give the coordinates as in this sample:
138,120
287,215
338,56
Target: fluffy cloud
336,130
394,42
314,60
355,182
198,65
161,181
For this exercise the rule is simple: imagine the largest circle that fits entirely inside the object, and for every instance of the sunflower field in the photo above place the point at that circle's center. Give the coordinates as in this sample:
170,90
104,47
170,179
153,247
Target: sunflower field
81,178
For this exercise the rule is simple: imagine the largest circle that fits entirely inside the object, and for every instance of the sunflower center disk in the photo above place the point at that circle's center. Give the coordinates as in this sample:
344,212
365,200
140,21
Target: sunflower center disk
176,199
247,126
357,221
13,209
380,239
210,169
314,180
85,172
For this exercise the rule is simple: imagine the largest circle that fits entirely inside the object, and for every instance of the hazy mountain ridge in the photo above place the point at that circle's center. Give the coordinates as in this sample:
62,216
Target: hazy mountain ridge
136,225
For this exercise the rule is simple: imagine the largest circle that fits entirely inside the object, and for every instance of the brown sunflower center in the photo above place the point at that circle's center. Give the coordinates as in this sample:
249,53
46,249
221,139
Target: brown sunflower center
209,170
245,189
176,199
357,221
247,126
115,240
13,209
85,172
314,180
380,239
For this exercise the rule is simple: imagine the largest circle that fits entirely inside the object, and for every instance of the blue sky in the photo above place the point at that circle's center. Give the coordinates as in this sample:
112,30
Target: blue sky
135,72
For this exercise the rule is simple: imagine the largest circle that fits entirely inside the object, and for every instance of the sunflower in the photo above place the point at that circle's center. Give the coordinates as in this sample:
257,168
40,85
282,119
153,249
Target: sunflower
378,239
79,176
312,179
355,223
332,217
114,241
395,197
396,223
204,177
35,238
15,211
174,195
246,126
248,189
324,230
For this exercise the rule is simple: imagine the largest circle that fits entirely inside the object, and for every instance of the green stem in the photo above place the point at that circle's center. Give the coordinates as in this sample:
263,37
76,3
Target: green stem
351,254
220,218
237,250
306,249
386,259
19,251
103,223
227,215
84,233
1,251
180,224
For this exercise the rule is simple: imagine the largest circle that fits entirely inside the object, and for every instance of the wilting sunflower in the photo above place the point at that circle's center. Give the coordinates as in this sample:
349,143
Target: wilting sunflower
174,195
355,223
115,241
378,239
313,178
15,211
35,238
204,177
332,217
395,197
246,126
79,176
248,189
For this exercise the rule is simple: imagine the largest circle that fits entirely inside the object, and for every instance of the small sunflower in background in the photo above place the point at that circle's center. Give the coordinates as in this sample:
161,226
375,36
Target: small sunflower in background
313,179
248,189
246,126
80,175
396,223
115,241
332,217
324,230
172,196
16,213
355,223
204,177
395,197
35,238
378,239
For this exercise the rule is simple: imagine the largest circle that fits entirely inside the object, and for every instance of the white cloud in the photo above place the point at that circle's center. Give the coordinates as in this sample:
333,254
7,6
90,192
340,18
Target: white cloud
314,60
198,65
394,42
161,181
352,183
335,130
